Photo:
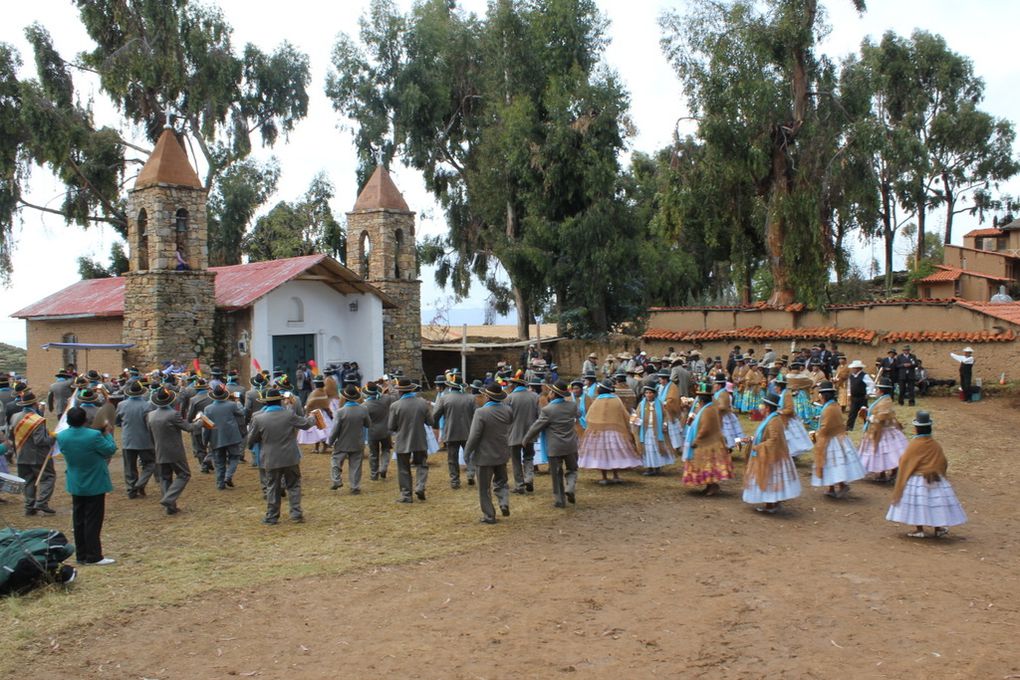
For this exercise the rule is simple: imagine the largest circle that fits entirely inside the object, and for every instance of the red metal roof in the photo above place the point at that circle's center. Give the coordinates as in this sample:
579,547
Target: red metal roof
949,273
237,286
992,231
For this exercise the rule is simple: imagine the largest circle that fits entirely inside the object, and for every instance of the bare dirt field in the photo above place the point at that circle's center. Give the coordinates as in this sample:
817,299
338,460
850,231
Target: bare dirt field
646,579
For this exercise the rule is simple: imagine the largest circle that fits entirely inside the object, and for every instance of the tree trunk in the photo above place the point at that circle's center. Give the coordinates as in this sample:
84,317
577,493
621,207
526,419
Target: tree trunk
950,207
887,234
922,215
775,230
745,284
523,315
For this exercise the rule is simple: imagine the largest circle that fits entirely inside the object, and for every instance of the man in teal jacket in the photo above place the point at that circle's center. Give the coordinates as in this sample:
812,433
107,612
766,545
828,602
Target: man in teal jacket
87,453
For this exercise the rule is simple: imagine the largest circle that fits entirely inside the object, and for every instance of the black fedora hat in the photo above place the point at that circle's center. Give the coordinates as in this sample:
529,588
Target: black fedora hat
163,397
493,392
219,393
560,389
135,388
351,393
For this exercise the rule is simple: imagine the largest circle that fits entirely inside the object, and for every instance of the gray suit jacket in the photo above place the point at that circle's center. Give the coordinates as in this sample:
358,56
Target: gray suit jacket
349,424
524,406
275,430
165,427
379,411
36,449
489,440
195,404
228,417
456,409
60,392
682,377
252,404
557,420
134,433
408,417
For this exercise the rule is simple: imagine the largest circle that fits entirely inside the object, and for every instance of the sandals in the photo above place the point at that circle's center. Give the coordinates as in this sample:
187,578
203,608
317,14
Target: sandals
917,534
941,531
771,511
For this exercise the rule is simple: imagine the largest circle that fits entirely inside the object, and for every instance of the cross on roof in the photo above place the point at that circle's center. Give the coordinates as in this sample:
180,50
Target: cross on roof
167,125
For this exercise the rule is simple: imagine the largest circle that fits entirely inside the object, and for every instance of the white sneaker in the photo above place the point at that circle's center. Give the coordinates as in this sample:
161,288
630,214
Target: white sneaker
103,562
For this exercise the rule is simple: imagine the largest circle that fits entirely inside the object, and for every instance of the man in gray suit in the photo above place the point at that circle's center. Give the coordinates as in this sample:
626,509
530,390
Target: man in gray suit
488,449
60,393
455,411
378,406
347,437
135,440
33,444
556,425
226,436
682,377
165,427
274,431
200,440
409,415
523,405
251,398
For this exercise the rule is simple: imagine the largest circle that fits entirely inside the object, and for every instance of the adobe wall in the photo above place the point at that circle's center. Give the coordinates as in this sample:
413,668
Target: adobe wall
43,364
976,260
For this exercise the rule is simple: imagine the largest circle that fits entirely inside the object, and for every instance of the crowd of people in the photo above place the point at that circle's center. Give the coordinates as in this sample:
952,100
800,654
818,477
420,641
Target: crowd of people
632,411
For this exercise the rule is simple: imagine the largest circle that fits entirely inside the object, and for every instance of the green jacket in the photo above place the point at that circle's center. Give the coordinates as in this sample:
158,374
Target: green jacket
86,452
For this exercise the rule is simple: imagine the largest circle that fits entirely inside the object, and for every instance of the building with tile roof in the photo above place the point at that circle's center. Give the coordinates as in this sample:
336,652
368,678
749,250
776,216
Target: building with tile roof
988,259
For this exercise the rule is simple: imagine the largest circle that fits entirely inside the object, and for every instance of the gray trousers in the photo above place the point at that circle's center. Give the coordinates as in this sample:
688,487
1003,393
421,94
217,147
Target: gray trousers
564,475
453,450
419,460
277,479
225,460
378,456
523,460
38,497
173,477
354,472
492,479
200,447
133,458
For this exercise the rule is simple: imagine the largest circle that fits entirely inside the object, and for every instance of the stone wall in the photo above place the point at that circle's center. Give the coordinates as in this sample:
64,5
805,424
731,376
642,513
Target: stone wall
168,315
380,248
43,364
153,246
227,330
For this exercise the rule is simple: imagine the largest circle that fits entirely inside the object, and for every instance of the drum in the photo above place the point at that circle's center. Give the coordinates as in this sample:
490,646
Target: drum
206,422
11,483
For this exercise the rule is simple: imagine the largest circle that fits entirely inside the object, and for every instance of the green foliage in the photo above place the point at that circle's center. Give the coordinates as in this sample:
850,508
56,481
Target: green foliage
148,56
917,270
92,269
235,198
304,227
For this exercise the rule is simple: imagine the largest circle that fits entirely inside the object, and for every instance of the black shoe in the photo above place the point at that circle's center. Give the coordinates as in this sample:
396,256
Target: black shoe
334,486
505,509
46,509
355,492
382,475
405,500
229,483
571,498
518,490
559,504
140,493
455,486
31,512
374,477
221,487
266,520
420,495
488,520
132,494
206,470
300,519
471,481
529,487
172,510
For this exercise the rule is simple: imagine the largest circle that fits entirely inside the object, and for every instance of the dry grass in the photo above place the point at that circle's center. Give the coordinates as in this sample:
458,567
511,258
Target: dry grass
218,543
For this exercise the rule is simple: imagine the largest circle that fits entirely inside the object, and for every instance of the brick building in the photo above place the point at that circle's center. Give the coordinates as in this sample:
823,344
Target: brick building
988,259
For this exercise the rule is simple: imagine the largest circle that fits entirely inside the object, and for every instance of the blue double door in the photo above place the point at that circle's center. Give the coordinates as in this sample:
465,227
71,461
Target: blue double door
291,350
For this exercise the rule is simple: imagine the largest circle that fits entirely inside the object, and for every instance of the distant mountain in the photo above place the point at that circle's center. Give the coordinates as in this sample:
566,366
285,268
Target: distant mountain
12,359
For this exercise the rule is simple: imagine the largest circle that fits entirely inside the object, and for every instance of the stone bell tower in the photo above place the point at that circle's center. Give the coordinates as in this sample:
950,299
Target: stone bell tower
381,248
169,294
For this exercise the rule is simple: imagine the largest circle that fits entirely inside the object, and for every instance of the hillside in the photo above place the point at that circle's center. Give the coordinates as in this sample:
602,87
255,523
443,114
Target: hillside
12,358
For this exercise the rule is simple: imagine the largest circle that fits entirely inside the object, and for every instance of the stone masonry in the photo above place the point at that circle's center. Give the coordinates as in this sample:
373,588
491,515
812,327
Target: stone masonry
168,315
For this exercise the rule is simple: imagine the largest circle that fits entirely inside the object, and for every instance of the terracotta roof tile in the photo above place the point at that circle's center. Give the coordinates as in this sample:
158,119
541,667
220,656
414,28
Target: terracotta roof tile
1007,311
757,333
947,272
941,336
984,232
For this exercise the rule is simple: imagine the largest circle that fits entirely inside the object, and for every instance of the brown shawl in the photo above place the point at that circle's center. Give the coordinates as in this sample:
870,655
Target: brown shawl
771,450
883,416
610,415
830,425
923,456
317,399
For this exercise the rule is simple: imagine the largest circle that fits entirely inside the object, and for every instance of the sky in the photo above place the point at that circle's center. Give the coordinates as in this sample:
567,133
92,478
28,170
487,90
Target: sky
45,257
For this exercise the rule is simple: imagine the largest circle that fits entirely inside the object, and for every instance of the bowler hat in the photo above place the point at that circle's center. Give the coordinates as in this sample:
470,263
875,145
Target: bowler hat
826,386
88,396
560,389
271,396
494,392
772,399
607,387
923,419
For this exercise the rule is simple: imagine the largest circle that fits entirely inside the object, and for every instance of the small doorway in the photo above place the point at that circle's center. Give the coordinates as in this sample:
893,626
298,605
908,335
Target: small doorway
291,350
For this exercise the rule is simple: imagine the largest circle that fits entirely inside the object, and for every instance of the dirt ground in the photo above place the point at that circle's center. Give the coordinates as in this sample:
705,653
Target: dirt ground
663,584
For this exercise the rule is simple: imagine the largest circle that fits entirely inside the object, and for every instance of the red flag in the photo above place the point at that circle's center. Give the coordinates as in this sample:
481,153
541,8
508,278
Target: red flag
198,368
255,364
312,365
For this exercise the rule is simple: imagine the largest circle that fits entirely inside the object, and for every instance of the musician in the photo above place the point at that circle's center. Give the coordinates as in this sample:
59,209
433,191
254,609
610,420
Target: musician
165,427
199,439
858,385
226,436
33,444
347,437
377,403
60,393
135,440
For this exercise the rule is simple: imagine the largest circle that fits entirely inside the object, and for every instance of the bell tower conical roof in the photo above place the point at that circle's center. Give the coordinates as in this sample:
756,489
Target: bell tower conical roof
168,164
380,193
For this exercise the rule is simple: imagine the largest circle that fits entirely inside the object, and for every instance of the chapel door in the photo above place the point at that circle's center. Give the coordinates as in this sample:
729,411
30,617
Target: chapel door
291,350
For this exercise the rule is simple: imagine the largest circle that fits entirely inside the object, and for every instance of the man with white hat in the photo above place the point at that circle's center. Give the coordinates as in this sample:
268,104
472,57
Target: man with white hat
589,364
859,385
966,370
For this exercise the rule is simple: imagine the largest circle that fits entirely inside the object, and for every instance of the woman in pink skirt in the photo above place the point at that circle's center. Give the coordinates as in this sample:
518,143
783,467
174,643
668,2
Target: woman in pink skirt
883,442
923,497
607,444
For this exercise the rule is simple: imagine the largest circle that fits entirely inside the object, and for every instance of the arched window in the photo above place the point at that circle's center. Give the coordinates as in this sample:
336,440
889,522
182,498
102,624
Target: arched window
364,250
398,249
296,311
142,256
181,232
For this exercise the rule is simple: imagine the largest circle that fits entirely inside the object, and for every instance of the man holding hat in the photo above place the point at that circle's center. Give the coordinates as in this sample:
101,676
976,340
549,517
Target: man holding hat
33,444
487,450
60,393
409,416
377,403
455,411
555,426
966,361
135,440
274,430
165,427
347,437
858,386
523,405
226,436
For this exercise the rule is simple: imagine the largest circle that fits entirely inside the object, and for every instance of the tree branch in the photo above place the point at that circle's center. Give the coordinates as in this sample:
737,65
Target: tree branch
104,201
52,211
